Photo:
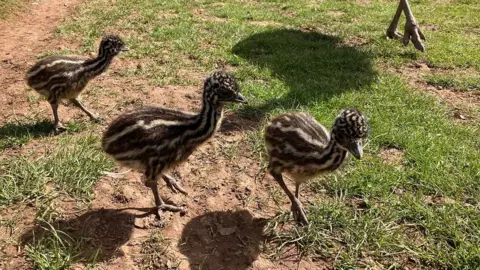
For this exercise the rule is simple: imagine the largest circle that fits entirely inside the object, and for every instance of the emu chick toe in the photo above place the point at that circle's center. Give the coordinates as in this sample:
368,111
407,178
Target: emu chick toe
299,213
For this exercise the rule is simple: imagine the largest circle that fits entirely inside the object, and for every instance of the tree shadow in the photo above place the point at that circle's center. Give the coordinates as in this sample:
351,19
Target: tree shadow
314,66
97,234
222,240
15,134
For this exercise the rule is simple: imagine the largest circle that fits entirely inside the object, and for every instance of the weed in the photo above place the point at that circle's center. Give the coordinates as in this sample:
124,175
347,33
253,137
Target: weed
54,249
156,254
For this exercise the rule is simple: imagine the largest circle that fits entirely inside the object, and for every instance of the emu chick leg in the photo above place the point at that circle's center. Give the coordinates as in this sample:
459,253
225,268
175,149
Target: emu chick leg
79,104
160,205
58,126
297,208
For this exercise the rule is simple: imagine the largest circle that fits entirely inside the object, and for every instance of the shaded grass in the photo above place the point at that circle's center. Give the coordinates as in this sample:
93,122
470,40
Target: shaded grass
313,66
94,236
72,166
304,62
17,134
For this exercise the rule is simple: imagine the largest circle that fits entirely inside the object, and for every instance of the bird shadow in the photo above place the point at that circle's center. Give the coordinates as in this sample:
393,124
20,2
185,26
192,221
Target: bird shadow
93,236
222,240
233,123
314,66
12,133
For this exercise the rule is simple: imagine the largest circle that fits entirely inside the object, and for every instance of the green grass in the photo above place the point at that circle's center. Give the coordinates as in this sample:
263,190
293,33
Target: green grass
457,82
54,249
71,166
295,55
16,134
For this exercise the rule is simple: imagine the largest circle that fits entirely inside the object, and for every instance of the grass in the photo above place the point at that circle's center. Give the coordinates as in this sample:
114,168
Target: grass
470,83
16,134
54,249
296,55
71,166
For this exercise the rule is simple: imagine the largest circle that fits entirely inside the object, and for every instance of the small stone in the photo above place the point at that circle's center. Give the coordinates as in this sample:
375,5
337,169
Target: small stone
226,231
140,223
397,191
459,115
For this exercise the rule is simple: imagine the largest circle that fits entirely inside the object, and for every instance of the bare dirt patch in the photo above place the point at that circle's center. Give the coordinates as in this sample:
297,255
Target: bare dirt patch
391,156
20,217
335,13
222,240
204,16
266,23
354,41
436,199
363,3
430,27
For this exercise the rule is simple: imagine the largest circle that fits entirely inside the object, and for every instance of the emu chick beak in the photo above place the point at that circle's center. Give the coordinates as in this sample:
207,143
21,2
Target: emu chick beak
356,148
240,99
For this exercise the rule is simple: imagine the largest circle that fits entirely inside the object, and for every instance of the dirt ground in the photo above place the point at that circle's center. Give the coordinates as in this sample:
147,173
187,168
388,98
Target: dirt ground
228,202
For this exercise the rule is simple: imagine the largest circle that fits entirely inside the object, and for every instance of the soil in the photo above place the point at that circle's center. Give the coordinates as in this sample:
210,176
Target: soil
228,202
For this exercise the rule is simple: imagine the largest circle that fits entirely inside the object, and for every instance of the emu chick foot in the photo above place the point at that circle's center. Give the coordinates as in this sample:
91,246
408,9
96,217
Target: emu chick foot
97,119
299,213
173,184
159,209
59,128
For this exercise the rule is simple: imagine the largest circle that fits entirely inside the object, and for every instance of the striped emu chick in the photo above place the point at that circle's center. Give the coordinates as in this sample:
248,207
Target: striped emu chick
64,77
301,147
152,139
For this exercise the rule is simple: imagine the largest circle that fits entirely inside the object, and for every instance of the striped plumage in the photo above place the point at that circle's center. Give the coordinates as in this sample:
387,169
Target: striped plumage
64,77
301,147
154,139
